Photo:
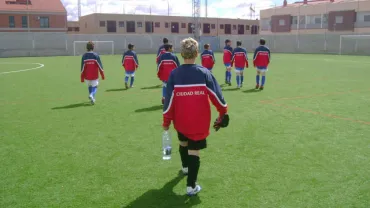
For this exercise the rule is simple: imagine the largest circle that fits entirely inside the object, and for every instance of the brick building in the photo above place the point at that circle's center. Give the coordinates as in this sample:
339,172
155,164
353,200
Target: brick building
154,24
32,16
317,17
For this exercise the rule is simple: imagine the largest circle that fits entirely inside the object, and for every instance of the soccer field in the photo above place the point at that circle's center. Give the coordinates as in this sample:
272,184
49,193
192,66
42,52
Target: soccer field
304,141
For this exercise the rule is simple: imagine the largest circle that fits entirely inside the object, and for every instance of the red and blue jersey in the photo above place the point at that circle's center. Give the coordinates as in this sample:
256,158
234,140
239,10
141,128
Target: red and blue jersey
228,54
190,89
91,66
161,51
208,59
261,58
130,61
240,58
167,63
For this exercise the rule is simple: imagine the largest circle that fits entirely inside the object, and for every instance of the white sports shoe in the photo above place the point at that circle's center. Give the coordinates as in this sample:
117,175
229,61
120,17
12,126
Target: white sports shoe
193,191
185,171
92,99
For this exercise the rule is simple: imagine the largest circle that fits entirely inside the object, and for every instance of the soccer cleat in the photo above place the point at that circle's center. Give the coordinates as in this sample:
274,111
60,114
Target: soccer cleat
257,87
229,83
185,171
226,82
92,100
261,88
193,191
132,86
126,85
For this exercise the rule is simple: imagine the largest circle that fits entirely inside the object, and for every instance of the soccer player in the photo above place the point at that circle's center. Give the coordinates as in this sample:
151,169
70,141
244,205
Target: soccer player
91,66
190,89
161,49
228,51
240,60
167,62
261,60
208,58
131,64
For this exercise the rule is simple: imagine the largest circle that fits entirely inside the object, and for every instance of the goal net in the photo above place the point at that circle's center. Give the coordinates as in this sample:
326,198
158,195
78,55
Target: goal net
354,45
101,47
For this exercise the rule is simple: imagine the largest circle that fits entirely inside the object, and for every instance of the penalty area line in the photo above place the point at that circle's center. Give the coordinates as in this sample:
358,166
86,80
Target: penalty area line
22,70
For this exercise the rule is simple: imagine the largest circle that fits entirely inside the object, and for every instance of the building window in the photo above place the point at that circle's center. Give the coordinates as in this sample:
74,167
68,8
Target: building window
183,25
149,27
338,19
174,27
317,20
294,20
111,26
44,22
121,24
366,18
255,29
302,20
213,26
190,28
234,27
139,24
221,26
206,28
240,29
247,27
24,22
227,28
157,24
102,23
166,25
70,29
11,21
130,26
77,29
281,22
325,18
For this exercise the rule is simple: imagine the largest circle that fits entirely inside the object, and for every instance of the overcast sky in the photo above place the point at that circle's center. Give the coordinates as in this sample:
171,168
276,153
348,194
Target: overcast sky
216,8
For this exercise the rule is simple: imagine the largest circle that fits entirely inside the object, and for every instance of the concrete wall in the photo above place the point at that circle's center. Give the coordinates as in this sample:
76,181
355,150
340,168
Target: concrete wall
62,44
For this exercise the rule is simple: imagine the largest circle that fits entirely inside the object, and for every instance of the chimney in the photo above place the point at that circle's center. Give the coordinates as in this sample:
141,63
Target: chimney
305,1
285,3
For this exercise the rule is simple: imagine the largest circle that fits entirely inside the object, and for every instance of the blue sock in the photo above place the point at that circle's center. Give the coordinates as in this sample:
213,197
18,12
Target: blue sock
94,90
229,76
90,90
132,81
241,79
237,80
258,79
263,80
226,75
126,79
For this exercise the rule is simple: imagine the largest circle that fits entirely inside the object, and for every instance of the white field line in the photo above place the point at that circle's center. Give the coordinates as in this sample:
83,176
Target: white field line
22,70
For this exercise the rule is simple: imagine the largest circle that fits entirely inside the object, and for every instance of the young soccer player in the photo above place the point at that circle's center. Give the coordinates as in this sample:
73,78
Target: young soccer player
190,89
208,58
228,50
91,66
240,60
161,49
131,64
261,60
167,62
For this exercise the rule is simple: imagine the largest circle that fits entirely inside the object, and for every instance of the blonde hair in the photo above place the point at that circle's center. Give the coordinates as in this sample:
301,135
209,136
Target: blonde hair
189,48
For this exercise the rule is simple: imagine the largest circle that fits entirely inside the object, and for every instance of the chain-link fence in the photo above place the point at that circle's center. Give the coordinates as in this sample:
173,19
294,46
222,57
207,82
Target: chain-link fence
61,44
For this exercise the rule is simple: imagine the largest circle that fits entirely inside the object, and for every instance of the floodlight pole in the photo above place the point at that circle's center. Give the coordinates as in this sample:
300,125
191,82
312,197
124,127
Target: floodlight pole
196,19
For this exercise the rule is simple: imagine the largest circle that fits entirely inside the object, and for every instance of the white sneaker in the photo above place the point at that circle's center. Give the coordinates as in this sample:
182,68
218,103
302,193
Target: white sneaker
185,171
92,100
193,191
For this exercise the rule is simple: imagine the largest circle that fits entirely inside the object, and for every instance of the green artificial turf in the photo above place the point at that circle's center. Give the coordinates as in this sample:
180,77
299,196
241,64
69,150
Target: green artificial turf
302,142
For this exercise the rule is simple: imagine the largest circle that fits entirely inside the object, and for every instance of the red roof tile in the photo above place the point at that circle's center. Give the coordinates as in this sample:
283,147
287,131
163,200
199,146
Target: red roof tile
35,6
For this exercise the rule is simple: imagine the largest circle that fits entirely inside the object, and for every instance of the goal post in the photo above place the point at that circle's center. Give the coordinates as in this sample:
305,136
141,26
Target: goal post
101,47
354,44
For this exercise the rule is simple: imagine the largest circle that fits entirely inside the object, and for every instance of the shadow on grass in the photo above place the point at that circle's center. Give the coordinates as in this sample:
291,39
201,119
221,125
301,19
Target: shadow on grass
165,197
251,90
116,90
152,108
84,104
152,87
230,89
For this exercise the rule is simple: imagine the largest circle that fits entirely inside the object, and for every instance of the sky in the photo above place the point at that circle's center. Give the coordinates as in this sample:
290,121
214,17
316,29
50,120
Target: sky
216,8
